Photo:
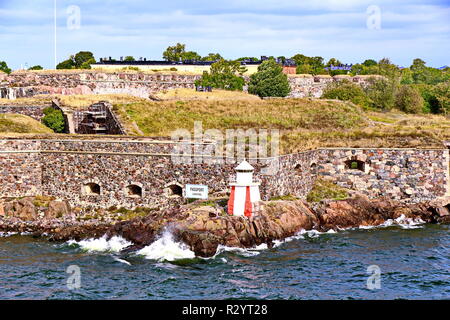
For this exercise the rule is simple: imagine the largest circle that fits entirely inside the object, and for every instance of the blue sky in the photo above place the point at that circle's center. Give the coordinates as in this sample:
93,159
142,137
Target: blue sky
234,28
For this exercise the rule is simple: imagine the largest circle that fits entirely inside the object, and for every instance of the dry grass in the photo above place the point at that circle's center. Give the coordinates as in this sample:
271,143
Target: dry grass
17,123
34,101
215,95
304,123
79,102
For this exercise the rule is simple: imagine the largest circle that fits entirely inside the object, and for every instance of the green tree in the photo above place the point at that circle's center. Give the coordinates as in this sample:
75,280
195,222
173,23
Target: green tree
346,91
190,55
304,69
333,62
129,58
269,81
381,93
87,64
224,75
409,100
369,63
54,119
407,76
81,60
212,57
37,67
82,57
442,94
4,67
254,59
66,64
174,53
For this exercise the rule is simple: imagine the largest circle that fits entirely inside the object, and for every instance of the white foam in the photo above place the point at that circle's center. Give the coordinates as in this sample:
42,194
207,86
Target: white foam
7,234
115,244
402,221
166,249
122,261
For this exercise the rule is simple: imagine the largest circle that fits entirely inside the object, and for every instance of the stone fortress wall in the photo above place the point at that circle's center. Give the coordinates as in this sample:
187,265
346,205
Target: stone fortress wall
22,84
127,172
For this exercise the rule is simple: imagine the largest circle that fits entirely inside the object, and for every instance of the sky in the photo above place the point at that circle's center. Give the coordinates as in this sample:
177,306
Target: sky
349,30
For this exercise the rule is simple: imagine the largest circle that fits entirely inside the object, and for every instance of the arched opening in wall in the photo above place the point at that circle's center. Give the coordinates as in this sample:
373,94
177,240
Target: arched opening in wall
174,190
91,189
355,165
298,169
313,168
134,190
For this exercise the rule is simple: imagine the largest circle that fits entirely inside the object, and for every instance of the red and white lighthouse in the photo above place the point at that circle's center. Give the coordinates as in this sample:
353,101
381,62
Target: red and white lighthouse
244,192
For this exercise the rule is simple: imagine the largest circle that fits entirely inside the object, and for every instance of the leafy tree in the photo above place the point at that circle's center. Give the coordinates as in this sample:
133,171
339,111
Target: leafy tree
54,119
369,63
407,76
333,62
66,64
129,58
82,57
316,65
190,55
381,93
4,67
81,60
37,67
442,94
269,81
409,100
304,69
87,64
431,104
224,75
254,59
212,57
346,91
174,53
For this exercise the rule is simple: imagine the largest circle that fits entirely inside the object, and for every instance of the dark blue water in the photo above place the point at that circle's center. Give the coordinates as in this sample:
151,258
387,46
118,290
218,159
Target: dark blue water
414,264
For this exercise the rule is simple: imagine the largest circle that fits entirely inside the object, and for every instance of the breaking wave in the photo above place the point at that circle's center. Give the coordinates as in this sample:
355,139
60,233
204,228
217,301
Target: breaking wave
114,244
402,222
166,249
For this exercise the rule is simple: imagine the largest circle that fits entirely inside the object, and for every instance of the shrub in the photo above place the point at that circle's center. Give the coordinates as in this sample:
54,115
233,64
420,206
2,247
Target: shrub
54,119
38,67
409,100
224,75
346,91
4,67
269,81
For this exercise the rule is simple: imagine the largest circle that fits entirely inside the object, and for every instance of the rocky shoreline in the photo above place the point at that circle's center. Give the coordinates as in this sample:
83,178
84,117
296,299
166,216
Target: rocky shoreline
203,226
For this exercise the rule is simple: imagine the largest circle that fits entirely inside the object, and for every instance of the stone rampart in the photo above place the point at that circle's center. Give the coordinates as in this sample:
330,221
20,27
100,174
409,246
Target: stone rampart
130,173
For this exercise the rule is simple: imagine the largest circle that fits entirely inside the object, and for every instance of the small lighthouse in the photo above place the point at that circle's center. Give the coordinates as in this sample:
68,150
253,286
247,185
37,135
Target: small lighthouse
244,192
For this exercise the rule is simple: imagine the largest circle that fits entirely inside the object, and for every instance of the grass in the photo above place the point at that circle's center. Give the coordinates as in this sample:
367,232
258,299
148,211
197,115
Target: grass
324,189
34,101
216,95
304,124
17,123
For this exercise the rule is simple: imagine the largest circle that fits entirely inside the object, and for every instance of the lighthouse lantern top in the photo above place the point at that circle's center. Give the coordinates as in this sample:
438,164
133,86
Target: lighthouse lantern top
244,166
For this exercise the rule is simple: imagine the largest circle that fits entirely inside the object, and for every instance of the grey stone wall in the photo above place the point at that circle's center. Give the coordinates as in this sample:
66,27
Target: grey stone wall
141,84
411,175
63,168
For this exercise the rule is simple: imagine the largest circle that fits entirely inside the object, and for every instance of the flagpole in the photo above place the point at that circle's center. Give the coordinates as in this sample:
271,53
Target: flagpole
54,20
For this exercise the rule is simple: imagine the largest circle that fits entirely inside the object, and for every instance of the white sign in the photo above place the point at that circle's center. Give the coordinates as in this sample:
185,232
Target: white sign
196,191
